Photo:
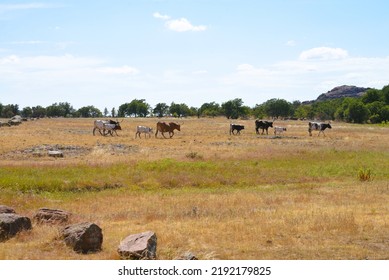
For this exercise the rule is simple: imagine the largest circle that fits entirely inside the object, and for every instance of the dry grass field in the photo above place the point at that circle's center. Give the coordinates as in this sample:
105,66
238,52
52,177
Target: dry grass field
217,195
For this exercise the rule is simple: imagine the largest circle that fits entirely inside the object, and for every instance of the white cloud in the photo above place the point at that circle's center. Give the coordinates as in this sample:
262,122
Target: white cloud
324,53
160,16
182,25
305,77
179,25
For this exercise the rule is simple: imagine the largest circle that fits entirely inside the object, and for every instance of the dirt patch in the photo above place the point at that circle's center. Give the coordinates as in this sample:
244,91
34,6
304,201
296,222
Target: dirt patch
43,151
117,149
69,151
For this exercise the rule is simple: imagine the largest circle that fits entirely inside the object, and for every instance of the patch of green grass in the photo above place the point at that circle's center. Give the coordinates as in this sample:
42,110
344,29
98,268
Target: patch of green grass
168,173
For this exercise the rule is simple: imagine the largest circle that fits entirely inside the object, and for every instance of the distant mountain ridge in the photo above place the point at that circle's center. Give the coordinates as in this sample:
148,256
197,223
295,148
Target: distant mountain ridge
342,91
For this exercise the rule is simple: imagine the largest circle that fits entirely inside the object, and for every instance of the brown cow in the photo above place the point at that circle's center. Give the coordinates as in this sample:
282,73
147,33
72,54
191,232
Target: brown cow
164,127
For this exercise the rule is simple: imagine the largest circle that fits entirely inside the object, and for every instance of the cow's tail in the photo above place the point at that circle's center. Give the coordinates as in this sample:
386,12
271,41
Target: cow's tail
230,128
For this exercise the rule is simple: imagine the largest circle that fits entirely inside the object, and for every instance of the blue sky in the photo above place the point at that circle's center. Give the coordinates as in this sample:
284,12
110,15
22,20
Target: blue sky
106,53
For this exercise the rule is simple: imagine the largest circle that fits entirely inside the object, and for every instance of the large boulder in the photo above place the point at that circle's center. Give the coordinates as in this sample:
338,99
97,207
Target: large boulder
15,120
83,237
11,224
6,209
51,216
142,246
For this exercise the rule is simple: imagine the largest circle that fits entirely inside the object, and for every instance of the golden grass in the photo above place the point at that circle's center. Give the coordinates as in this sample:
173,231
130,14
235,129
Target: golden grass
219,196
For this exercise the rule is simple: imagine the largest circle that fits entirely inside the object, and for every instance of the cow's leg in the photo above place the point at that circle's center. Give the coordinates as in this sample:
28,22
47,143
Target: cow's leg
94,131
156,133
171,134
163,135
310,131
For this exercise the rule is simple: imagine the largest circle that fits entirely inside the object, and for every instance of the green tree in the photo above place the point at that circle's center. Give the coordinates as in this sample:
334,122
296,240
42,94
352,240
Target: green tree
38,112
211,109
357,112
136,108
302,111
105,112
371,96
232,109
375,111
384,113
27,112
89,112
259,111
179,110
161,110
385,94
278,108
55,110
10,110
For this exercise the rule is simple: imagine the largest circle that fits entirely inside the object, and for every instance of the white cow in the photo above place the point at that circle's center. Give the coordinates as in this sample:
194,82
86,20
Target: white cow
143,129
107,127
279,130
318,126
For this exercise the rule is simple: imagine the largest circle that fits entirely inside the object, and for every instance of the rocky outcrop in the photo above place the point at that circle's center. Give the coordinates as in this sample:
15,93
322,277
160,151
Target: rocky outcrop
83,237
142,246
6,209
11,224
341,92
51,216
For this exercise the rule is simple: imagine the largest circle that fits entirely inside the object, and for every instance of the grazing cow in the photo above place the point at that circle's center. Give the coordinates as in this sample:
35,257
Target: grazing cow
236,127
143,129
264,125
318,126
279,130
107,127
164,127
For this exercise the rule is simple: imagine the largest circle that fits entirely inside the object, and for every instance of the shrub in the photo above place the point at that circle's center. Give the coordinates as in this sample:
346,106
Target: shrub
364,174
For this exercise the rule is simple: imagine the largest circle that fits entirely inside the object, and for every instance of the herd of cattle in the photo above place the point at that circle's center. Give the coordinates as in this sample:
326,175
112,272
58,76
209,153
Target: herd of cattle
106,127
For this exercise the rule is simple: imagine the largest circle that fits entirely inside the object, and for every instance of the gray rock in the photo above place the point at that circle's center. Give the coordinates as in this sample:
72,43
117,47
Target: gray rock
11,224
51,216
142,246
6,209
83,237
188,256
55,154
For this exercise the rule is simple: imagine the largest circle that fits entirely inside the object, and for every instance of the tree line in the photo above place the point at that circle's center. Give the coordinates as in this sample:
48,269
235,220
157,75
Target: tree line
371,107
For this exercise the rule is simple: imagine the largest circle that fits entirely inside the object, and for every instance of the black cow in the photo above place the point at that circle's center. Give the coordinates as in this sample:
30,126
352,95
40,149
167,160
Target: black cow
236,127
318,126
264,125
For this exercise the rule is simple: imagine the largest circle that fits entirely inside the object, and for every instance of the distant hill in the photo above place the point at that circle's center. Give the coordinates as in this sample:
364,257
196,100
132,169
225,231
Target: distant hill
342,91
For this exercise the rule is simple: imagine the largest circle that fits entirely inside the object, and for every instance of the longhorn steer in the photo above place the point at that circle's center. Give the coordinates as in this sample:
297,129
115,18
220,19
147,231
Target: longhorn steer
279,130
164,127
107,127
318,126
143,129
236,127
264,125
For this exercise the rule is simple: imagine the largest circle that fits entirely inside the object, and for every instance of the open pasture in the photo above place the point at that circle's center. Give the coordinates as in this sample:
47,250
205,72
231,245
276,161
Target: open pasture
217,195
